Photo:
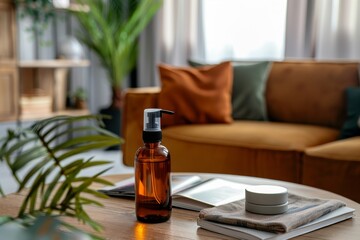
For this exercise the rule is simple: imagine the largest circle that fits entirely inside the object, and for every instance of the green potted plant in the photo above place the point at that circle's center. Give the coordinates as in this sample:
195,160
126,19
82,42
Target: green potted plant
111,29
80,98
49,166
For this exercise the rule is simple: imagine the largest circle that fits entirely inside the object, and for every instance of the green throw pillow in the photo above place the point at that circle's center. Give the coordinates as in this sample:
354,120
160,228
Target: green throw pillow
248,99
351,126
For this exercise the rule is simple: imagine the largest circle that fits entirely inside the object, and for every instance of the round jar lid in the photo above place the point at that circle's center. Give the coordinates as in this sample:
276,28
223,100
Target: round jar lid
265,209
266,195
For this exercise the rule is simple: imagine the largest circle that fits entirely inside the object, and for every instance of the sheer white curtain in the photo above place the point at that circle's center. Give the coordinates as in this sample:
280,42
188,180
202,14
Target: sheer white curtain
173,37
323,29
338,29
300,29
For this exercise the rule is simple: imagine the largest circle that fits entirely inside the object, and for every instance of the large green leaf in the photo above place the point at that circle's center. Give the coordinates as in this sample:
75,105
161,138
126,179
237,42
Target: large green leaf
42,145
111,29
25,157
31,173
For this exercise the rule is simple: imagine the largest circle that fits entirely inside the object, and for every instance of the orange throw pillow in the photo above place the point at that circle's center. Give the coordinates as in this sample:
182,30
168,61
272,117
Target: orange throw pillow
197,95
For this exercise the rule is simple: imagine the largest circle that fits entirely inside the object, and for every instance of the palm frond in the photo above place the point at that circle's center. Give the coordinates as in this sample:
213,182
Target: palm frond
111,29
57,160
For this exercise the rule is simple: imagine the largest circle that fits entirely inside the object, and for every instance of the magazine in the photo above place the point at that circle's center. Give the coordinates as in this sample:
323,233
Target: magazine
188,191
210,193
239,232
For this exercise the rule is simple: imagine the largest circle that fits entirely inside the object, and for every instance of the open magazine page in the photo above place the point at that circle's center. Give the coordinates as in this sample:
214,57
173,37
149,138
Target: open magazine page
212,192
181,182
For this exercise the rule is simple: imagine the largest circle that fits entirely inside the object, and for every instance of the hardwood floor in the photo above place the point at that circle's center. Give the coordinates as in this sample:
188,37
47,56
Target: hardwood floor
10,186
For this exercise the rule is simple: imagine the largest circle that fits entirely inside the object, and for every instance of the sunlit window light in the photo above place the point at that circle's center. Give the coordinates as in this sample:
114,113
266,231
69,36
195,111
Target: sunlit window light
243,29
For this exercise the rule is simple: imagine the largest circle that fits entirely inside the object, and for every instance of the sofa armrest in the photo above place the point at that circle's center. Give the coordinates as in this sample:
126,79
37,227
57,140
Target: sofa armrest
135,101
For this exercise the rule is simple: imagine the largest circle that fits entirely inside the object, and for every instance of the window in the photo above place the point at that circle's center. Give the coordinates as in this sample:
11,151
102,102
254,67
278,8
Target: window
244,29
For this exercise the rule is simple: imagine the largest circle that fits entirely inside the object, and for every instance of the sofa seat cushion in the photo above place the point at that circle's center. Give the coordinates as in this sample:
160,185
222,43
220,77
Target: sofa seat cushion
255,134
334,167
250,148
342,150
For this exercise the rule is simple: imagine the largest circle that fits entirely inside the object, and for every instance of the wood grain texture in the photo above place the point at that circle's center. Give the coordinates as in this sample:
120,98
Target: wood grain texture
7,32
118,215
8,93
8,68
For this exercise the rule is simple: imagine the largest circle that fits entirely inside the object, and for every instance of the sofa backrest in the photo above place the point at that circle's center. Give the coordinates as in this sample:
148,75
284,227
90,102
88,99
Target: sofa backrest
309,92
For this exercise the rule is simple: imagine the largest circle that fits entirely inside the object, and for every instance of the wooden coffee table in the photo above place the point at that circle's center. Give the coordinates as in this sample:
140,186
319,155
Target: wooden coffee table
118,215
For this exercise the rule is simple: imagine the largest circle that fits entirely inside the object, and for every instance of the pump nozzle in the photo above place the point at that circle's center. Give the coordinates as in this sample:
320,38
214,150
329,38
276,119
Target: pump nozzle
152,124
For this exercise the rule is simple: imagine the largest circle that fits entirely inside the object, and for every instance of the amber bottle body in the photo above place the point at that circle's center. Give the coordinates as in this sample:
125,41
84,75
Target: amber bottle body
152,183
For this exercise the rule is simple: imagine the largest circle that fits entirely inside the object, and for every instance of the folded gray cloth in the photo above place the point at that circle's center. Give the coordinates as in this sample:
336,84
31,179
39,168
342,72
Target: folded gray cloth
301,210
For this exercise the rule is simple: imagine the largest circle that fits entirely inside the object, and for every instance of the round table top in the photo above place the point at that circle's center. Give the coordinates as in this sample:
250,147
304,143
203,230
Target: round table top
119,220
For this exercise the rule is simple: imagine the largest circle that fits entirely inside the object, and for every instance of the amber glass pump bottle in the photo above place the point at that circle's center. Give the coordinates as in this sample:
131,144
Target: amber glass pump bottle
152,172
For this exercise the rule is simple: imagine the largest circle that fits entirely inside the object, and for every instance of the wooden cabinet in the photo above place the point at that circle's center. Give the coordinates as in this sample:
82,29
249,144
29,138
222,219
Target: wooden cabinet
7,32
43,87
8,66
8,94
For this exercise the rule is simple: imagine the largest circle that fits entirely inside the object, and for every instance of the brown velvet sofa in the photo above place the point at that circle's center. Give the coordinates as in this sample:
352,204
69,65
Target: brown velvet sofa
306,108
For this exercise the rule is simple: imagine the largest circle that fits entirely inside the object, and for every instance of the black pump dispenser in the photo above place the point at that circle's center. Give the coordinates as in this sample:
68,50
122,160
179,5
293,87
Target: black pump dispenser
152,124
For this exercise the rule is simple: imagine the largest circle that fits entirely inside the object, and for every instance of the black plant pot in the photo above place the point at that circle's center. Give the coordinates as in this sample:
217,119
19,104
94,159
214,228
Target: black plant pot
113,124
